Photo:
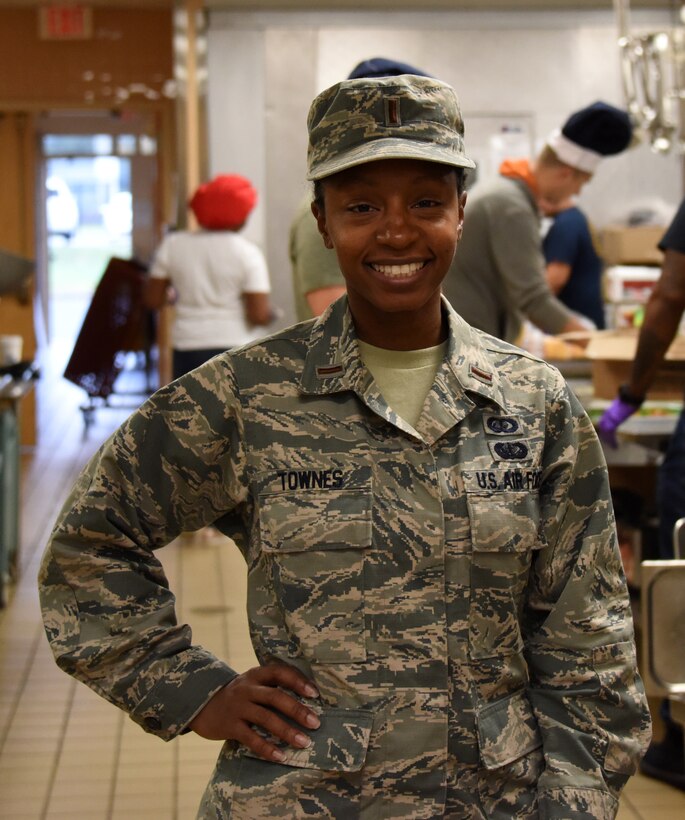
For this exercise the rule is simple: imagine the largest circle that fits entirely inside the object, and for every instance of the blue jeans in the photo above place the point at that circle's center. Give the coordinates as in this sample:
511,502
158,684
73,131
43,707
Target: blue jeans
670,493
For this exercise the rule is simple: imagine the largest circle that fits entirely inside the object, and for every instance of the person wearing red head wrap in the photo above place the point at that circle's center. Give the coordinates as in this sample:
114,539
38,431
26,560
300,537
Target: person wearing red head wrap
217,279
224,203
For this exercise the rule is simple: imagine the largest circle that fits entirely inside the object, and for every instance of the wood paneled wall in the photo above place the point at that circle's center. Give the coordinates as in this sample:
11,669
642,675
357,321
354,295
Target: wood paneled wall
129,53
17,236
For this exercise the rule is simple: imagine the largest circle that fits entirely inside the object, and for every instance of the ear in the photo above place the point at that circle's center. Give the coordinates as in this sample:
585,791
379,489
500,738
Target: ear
320,216
462,205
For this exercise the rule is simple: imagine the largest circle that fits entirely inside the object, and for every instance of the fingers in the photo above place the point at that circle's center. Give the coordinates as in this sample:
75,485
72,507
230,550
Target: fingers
255,703
280,674
277,729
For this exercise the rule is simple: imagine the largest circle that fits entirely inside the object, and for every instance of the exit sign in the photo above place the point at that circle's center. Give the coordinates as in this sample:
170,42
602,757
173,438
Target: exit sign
67,22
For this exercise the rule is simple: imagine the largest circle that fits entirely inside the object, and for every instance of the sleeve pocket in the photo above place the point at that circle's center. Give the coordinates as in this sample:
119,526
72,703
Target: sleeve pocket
615,665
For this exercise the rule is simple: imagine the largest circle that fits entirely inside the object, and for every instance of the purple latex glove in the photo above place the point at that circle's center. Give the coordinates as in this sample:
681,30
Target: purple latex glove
615,414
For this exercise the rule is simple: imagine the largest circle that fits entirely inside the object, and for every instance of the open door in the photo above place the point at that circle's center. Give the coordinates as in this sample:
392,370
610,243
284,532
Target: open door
98,183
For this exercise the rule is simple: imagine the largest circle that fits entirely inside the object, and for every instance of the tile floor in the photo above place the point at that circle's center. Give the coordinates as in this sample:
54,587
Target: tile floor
64,752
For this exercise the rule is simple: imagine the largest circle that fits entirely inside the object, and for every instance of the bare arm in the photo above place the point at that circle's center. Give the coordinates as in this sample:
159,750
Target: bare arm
557,275
662,317
573,325
318,300
258,309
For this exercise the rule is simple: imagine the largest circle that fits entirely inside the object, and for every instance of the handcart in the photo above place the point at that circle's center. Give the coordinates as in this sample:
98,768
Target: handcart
116,324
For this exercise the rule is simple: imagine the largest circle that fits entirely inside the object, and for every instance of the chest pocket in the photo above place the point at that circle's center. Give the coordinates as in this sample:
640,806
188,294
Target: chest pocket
505,531
314,541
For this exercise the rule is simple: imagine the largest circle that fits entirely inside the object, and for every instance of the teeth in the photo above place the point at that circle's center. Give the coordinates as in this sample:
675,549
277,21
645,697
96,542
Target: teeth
398,270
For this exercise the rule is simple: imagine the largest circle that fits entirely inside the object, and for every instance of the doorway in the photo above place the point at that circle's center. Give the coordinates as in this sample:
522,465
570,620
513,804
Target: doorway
98,185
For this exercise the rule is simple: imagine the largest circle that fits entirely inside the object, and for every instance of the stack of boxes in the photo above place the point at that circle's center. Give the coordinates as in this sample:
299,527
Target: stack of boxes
634,266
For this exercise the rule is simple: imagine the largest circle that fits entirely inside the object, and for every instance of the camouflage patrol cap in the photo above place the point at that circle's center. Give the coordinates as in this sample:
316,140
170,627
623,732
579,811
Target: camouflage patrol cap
404,117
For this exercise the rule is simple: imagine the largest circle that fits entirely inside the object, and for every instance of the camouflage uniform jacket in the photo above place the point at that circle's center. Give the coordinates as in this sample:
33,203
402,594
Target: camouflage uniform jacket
454,591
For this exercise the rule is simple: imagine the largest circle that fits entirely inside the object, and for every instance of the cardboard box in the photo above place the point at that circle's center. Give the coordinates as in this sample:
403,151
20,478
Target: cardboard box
612,352
634,245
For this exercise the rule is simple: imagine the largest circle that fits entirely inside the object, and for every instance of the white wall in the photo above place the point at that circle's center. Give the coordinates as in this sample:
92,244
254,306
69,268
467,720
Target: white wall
265,68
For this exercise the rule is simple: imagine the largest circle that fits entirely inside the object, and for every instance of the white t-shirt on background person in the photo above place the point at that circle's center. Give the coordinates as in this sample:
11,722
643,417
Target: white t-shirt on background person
210,271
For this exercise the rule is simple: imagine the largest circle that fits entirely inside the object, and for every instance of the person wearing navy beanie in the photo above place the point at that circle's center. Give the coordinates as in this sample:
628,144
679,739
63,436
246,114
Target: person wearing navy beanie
498,280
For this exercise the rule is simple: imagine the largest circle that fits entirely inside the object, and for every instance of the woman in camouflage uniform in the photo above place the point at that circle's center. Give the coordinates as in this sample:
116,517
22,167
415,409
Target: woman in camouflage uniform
435,597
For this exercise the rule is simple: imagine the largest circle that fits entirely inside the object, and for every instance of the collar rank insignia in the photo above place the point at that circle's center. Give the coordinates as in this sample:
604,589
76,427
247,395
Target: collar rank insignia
392,111
480,374
328,371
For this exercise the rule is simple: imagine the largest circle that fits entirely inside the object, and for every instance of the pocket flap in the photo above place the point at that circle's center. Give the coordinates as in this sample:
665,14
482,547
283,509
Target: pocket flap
507,730
338,745
327,519
504,511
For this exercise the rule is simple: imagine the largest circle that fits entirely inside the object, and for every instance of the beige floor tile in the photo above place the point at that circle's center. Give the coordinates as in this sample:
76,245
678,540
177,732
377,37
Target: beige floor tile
76,772
640,783
84,758
193,766
188,806
188,810
40,716
25,813
20,778
659,800
30,732
27,804
146,813
674,800
148,803
30,746
140,780
84,804
81,792
626,813
26,760
75,813
132,755
646,792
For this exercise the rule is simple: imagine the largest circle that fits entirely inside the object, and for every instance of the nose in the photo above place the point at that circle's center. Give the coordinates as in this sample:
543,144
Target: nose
395,229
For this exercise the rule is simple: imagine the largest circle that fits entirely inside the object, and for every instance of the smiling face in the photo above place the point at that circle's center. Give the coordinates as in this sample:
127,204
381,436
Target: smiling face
394,225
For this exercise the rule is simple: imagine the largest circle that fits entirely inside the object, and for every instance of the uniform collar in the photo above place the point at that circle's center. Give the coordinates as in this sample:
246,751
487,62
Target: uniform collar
467,377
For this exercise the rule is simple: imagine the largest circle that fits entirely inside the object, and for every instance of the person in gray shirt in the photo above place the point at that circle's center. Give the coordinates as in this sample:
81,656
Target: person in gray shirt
497,280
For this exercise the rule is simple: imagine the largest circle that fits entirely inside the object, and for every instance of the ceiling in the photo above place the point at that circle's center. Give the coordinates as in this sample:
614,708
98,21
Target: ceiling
365,5
370,5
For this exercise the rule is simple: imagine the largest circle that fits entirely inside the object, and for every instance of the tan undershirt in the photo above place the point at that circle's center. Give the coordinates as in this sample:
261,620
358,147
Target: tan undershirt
404,377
